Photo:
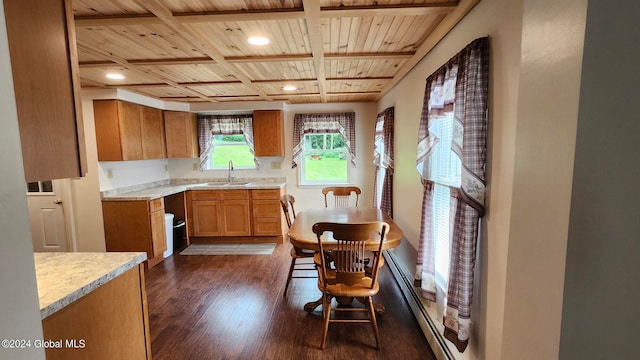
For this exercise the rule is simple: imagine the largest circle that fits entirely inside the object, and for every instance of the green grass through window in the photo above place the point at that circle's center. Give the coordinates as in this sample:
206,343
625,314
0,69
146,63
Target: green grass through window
240,155
325,169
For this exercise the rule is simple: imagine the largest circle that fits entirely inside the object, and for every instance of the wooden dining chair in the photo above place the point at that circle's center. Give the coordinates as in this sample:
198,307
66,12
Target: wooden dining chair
342,195
349,277
287,201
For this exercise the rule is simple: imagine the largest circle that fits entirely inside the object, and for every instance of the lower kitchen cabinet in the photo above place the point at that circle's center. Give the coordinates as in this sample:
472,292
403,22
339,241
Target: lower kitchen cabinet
111,322
266,212
136,225
218,213
243,214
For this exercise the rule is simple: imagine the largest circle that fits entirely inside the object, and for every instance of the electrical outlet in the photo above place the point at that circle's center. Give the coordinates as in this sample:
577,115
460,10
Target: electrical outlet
195,166
110,173
275,165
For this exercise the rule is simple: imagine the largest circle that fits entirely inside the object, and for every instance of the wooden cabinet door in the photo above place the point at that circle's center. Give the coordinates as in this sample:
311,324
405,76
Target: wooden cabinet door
181,134
158,232
268,133
153,142
205,218
41,36
236,219
129,116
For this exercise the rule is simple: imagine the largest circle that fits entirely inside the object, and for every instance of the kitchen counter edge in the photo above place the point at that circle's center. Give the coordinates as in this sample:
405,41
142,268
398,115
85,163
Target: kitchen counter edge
66,277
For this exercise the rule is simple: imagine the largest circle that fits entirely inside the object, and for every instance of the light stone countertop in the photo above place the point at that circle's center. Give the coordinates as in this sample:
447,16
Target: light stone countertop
66,277
156,191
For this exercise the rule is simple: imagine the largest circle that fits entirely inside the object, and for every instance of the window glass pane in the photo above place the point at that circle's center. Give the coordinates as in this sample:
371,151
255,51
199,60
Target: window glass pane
230,147
47,186
33,187
325,159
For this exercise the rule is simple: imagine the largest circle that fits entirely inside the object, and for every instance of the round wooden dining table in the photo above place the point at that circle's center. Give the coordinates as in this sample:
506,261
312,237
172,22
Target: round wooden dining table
302,236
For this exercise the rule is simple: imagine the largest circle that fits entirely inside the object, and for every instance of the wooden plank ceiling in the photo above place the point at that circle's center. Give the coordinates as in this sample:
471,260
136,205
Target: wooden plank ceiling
197,50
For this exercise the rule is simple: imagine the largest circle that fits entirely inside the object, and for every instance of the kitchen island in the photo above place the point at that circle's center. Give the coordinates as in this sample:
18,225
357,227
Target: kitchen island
93,305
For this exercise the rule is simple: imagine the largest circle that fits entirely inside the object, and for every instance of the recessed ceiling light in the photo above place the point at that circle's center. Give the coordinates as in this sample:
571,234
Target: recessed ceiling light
289,88
115,76
258,40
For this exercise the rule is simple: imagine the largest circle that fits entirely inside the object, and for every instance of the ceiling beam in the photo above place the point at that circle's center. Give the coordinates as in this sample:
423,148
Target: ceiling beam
250,59
201,41
279,14
314,31
430,42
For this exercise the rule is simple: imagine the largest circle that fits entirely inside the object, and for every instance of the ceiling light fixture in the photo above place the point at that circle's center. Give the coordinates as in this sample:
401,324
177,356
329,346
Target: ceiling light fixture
258,40
289,88
115,76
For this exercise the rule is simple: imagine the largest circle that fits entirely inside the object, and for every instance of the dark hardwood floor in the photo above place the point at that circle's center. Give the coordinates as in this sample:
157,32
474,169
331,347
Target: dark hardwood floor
231,307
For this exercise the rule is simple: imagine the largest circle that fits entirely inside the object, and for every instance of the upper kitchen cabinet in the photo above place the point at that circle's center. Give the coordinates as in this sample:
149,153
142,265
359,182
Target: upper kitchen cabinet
44,64
153,140
126,131
268,133
181,134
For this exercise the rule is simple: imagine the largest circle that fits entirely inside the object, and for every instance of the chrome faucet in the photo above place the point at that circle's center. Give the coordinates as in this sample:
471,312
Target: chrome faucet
229,177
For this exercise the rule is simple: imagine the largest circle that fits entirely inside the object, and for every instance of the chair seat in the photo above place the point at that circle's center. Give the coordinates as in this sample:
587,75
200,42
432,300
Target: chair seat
361,289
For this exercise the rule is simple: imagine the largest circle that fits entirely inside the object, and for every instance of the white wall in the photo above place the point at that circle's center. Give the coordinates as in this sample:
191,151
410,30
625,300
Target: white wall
501,20
20,311
536,52
601,292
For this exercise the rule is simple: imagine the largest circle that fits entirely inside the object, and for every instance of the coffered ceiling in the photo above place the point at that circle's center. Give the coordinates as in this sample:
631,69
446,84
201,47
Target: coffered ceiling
197,50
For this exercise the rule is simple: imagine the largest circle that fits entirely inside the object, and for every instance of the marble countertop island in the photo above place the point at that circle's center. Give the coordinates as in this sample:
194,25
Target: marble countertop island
66,277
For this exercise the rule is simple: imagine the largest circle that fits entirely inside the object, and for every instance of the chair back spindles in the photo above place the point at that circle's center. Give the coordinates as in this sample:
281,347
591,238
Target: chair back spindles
286,201
342,195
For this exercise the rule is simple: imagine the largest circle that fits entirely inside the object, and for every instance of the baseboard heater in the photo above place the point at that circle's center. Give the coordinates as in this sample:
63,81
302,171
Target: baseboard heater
435,339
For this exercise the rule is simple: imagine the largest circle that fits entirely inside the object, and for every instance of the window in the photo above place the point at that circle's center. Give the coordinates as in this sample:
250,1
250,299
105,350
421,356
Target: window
324,147
226,137
446,172
325,159
230,147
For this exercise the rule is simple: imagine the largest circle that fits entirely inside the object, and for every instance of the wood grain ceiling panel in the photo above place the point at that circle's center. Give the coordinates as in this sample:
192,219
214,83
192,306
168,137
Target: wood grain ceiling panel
137,41
101,7
225,90
193,73
98,76
362,68
196,50
282,70
373,86
274,88
287,37
378,34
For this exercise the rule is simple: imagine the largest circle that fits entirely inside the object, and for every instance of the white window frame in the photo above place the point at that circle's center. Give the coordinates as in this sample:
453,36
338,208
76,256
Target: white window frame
303,181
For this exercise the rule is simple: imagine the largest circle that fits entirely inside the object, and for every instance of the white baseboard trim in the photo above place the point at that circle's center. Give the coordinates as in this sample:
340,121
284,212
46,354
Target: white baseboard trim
435,339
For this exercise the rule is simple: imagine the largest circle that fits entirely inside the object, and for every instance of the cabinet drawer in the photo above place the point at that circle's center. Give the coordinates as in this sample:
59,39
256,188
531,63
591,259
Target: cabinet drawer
234,194
266,194
155,205
205,195
267,227
266,208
